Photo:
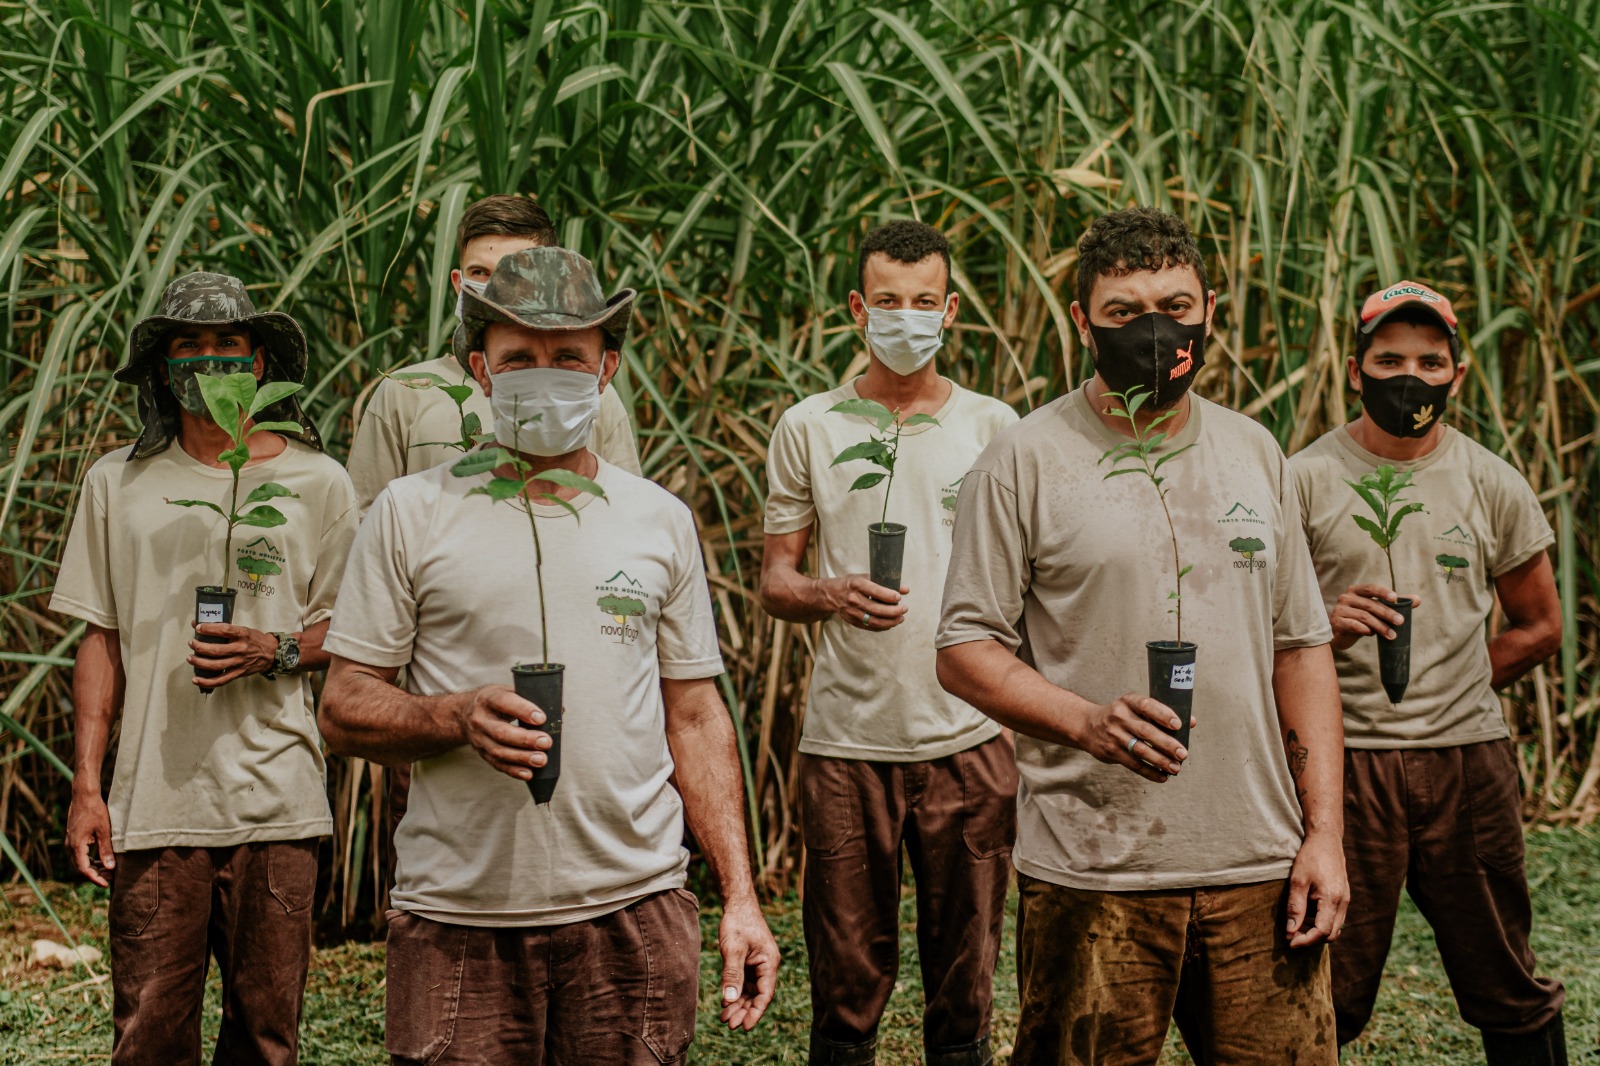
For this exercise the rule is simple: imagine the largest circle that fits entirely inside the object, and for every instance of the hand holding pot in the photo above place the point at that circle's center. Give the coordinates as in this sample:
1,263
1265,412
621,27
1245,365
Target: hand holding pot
89,837
860,603
1109,734
246,651
1363,610
489,718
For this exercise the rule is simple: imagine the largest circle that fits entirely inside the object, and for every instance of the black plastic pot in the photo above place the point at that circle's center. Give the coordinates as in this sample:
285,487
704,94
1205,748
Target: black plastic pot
886,542
1172,681
540,683
1394,656
212,604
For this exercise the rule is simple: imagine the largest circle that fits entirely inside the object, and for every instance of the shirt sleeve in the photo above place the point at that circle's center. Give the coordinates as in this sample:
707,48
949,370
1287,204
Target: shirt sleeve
83,584
1521,529
790,505
378,453
333,549
375,615
1299,619
686,634
613,434
990,567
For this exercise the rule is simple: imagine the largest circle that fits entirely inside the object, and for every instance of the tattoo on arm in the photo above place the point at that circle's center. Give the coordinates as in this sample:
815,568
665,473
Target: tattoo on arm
1298,754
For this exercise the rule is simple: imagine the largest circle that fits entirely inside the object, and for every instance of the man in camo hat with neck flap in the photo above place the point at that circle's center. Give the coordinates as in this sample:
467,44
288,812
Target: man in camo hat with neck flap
208,838
556,929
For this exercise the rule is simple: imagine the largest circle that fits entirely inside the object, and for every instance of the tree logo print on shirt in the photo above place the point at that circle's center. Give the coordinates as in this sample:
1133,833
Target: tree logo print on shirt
621,598
1450,564
1248,547
947,499
256,560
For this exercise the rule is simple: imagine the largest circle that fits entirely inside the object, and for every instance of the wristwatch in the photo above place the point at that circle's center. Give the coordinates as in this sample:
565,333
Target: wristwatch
287,661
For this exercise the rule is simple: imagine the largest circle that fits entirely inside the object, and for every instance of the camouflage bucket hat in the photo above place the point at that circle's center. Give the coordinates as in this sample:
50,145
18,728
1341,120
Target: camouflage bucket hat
545,288
204,299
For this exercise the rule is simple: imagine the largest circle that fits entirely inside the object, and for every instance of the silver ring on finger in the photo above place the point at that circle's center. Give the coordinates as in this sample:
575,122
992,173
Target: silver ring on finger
866,618
1133,742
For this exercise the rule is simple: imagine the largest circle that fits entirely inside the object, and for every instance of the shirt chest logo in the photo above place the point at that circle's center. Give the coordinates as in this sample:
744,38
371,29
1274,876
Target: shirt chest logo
257,561
947,499
622,600
1248,544
1454,560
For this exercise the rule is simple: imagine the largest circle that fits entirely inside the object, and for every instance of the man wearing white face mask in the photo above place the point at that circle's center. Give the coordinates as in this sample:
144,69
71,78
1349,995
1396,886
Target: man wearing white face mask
888,758
407,428
557,932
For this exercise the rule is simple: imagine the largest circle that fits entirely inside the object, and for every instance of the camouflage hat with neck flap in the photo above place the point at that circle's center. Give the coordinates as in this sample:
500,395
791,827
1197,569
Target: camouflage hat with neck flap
545,288
204,299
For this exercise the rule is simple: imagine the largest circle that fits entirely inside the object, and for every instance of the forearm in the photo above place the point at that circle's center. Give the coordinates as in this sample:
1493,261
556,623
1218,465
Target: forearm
788,594
97,686
1306,689
365,715
312,657
707,776
992,679
1516,650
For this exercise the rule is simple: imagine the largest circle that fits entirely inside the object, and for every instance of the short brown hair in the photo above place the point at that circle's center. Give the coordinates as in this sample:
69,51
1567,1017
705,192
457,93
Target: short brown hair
905,241
1136,238
504,215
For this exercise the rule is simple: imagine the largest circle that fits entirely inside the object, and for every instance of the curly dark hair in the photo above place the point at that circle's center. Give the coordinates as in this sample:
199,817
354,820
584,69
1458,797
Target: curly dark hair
1414,316
505,215
1135,238
904,241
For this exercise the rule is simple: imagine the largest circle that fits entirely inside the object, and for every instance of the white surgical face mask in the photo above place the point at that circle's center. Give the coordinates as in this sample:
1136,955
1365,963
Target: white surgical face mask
904,341
477,288
543,411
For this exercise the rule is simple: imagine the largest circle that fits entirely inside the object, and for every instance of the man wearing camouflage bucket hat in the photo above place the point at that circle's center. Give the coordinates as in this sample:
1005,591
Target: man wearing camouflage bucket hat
208,840
558,928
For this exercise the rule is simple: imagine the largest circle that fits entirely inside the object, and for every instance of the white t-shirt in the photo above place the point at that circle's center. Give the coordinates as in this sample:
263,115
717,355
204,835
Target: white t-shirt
443,584
875,695
245,763
406,429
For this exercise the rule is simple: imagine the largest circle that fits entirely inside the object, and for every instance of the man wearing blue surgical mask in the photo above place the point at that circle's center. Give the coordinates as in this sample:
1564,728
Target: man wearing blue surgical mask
888,759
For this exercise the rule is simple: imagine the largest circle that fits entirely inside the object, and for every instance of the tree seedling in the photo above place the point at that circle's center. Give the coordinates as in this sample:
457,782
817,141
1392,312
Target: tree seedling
472,433
881,448
233,400
1380,489
1138,456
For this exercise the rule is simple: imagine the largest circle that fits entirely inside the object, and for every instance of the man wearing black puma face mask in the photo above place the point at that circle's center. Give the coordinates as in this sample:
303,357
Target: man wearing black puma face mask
1432,799
1201,881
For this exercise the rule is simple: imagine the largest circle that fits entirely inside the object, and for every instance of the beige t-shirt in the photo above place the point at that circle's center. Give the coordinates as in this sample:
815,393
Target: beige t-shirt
875,695
407,429
1072,572
1481,513
244,763
443,584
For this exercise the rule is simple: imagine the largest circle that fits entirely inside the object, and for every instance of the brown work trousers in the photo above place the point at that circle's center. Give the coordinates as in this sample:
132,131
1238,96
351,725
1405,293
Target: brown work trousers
620,989
1446,823
1101,973
956,818
171,909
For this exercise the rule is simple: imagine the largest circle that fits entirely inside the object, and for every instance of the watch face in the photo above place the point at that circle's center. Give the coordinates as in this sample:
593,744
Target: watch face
289,653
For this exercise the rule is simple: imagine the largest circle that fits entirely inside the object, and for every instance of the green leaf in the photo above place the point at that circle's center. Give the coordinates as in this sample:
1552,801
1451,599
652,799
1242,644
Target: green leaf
263,516
919,420
1373,530
236,458
558,501
1370,497
277,427
864,408
1394,520
471,425
499,488
1122,470
417,379
269,491
480,462
866,481
568,480
222,400
867,449
1185,571
1173,454
199,503
269,394
458,393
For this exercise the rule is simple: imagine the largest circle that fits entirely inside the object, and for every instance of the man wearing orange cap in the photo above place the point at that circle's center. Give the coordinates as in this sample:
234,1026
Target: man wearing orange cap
1431,794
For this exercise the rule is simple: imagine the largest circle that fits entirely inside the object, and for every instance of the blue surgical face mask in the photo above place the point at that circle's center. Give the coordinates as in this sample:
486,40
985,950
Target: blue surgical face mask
183,377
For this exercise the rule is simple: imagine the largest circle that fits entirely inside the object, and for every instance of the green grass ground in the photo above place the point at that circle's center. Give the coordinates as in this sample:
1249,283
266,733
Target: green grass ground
50,1017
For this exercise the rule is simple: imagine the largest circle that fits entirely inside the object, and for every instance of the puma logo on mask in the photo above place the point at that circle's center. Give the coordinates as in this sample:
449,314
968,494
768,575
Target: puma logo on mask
1185,361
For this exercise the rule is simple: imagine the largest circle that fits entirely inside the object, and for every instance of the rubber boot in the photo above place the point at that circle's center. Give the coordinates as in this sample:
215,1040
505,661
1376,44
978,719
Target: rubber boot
825,1052
1544,1047
975,1054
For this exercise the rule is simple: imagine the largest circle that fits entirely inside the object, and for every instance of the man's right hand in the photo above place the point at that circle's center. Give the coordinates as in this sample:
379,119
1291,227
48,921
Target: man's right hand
489,720
860,603
1363,610
1107,733
89,837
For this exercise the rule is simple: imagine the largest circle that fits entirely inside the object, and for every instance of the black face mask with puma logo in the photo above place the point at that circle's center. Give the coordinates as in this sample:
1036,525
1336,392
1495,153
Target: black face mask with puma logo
1404,405
1153,352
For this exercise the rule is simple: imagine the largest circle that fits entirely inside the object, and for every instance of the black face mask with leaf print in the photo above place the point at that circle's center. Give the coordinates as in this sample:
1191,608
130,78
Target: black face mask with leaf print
1403,405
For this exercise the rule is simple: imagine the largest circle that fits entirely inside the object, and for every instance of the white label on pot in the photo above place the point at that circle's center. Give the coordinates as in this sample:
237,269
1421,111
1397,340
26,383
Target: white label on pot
1183,675
208,612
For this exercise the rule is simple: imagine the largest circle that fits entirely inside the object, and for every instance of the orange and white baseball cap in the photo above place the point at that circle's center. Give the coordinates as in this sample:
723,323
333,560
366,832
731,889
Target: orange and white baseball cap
1380,305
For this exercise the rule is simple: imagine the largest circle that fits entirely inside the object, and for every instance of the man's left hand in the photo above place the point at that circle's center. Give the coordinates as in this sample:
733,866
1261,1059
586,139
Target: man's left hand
1318,875
749,964
248,651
